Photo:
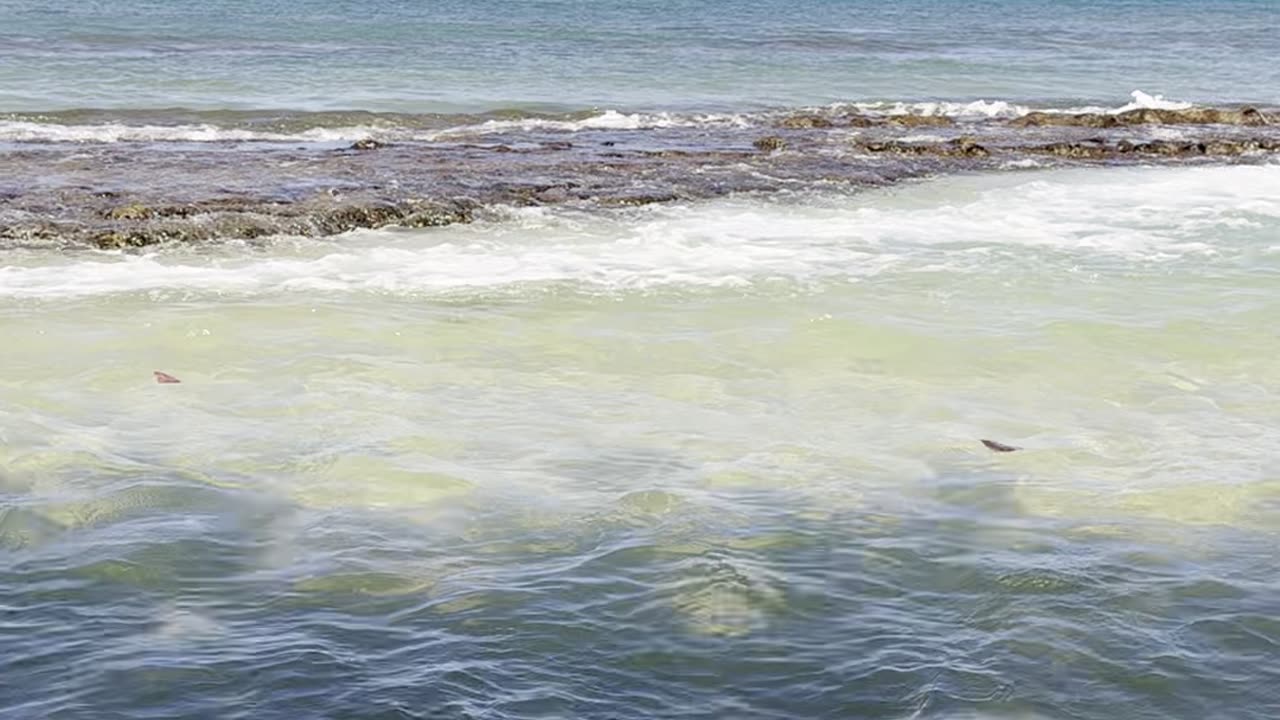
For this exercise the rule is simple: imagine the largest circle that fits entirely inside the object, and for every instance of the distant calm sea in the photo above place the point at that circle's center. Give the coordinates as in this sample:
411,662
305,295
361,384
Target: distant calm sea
470,55
716,457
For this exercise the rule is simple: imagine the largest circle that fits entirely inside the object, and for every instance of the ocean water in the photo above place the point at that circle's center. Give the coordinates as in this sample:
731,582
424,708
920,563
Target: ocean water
473,55
717,456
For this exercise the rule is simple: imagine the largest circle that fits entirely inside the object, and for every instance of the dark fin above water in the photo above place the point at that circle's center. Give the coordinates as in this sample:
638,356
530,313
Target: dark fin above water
165,378
998,446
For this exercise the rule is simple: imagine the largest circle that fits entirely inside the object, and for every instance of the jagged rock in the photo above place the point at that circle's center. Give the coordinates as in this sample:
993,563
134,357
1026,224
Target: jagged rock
968,147
129,212
856,120
436,217
112,240
1086,150
637,199
1043,119
1254,117
1193,116
122,239
770,143
801,122
1169,148
959,147
1248,116
920,120
367,144
351,217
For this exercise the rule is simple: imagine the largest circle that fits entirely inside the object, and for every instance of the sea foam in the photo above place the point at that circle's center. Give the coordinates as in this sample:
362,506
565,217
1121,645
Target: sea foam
1127,214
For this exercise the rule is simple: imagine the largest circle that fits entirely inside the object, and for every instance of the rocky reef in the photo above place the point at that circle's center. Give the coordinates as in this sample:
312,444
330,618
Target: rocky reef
135,194
1247,116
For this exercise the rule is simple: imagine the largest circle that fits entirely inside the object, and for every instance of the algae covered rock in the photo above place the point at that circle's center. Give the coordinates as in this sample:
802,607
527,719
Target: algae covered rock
1248,117
770,143
130,212
920,120
801,122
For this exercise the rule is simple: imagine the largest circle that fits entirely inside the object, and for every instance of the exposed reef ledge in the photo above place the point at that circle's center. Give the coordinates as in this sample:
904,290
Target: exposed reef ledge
1247,117
1094,148
144,225
1242,116
129,195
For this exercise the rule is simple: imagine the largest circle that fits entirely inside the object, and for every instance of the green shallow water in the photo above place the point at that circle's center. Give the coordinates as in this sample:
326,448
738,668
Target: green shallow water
717,460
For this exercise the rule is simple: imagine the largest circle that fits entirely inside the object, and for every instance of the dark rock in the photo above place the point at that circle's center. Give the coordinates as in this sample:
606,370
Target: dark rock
959,147
1043,119
637,199
856,120
367,144
1073,150
920,120
1248,116
770,143
351,217
129,212
968,147
436,217
801,122
1224,147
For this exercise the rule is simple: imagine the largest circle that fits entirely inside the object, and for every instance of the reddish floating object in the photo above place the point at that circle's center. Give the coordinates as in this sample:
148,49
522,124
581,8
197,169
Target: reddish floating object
999,446
165,378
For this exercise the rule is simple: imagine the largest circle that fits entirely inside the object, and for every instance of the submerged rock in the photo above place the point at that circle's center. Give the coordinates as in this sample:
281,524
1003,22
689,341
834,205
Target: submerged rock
800,122
770,143
637,199
920,120
858,120
959,147
351,217
999,447
437,215
1046,119
129,212
1093,149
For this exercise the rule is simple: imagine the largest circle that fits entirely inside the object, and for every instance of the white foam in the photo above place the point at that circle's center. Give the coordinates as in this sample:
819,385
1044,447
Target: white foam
24,131
1143,101
1130,214
977,109
922,137
607,120
27,131
1139,101
983,109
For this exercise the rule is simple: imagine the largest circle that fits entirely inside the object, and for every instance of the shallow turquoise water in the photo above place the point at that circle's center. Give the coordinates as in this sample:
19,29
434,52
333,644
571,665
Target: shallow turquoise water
707,460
